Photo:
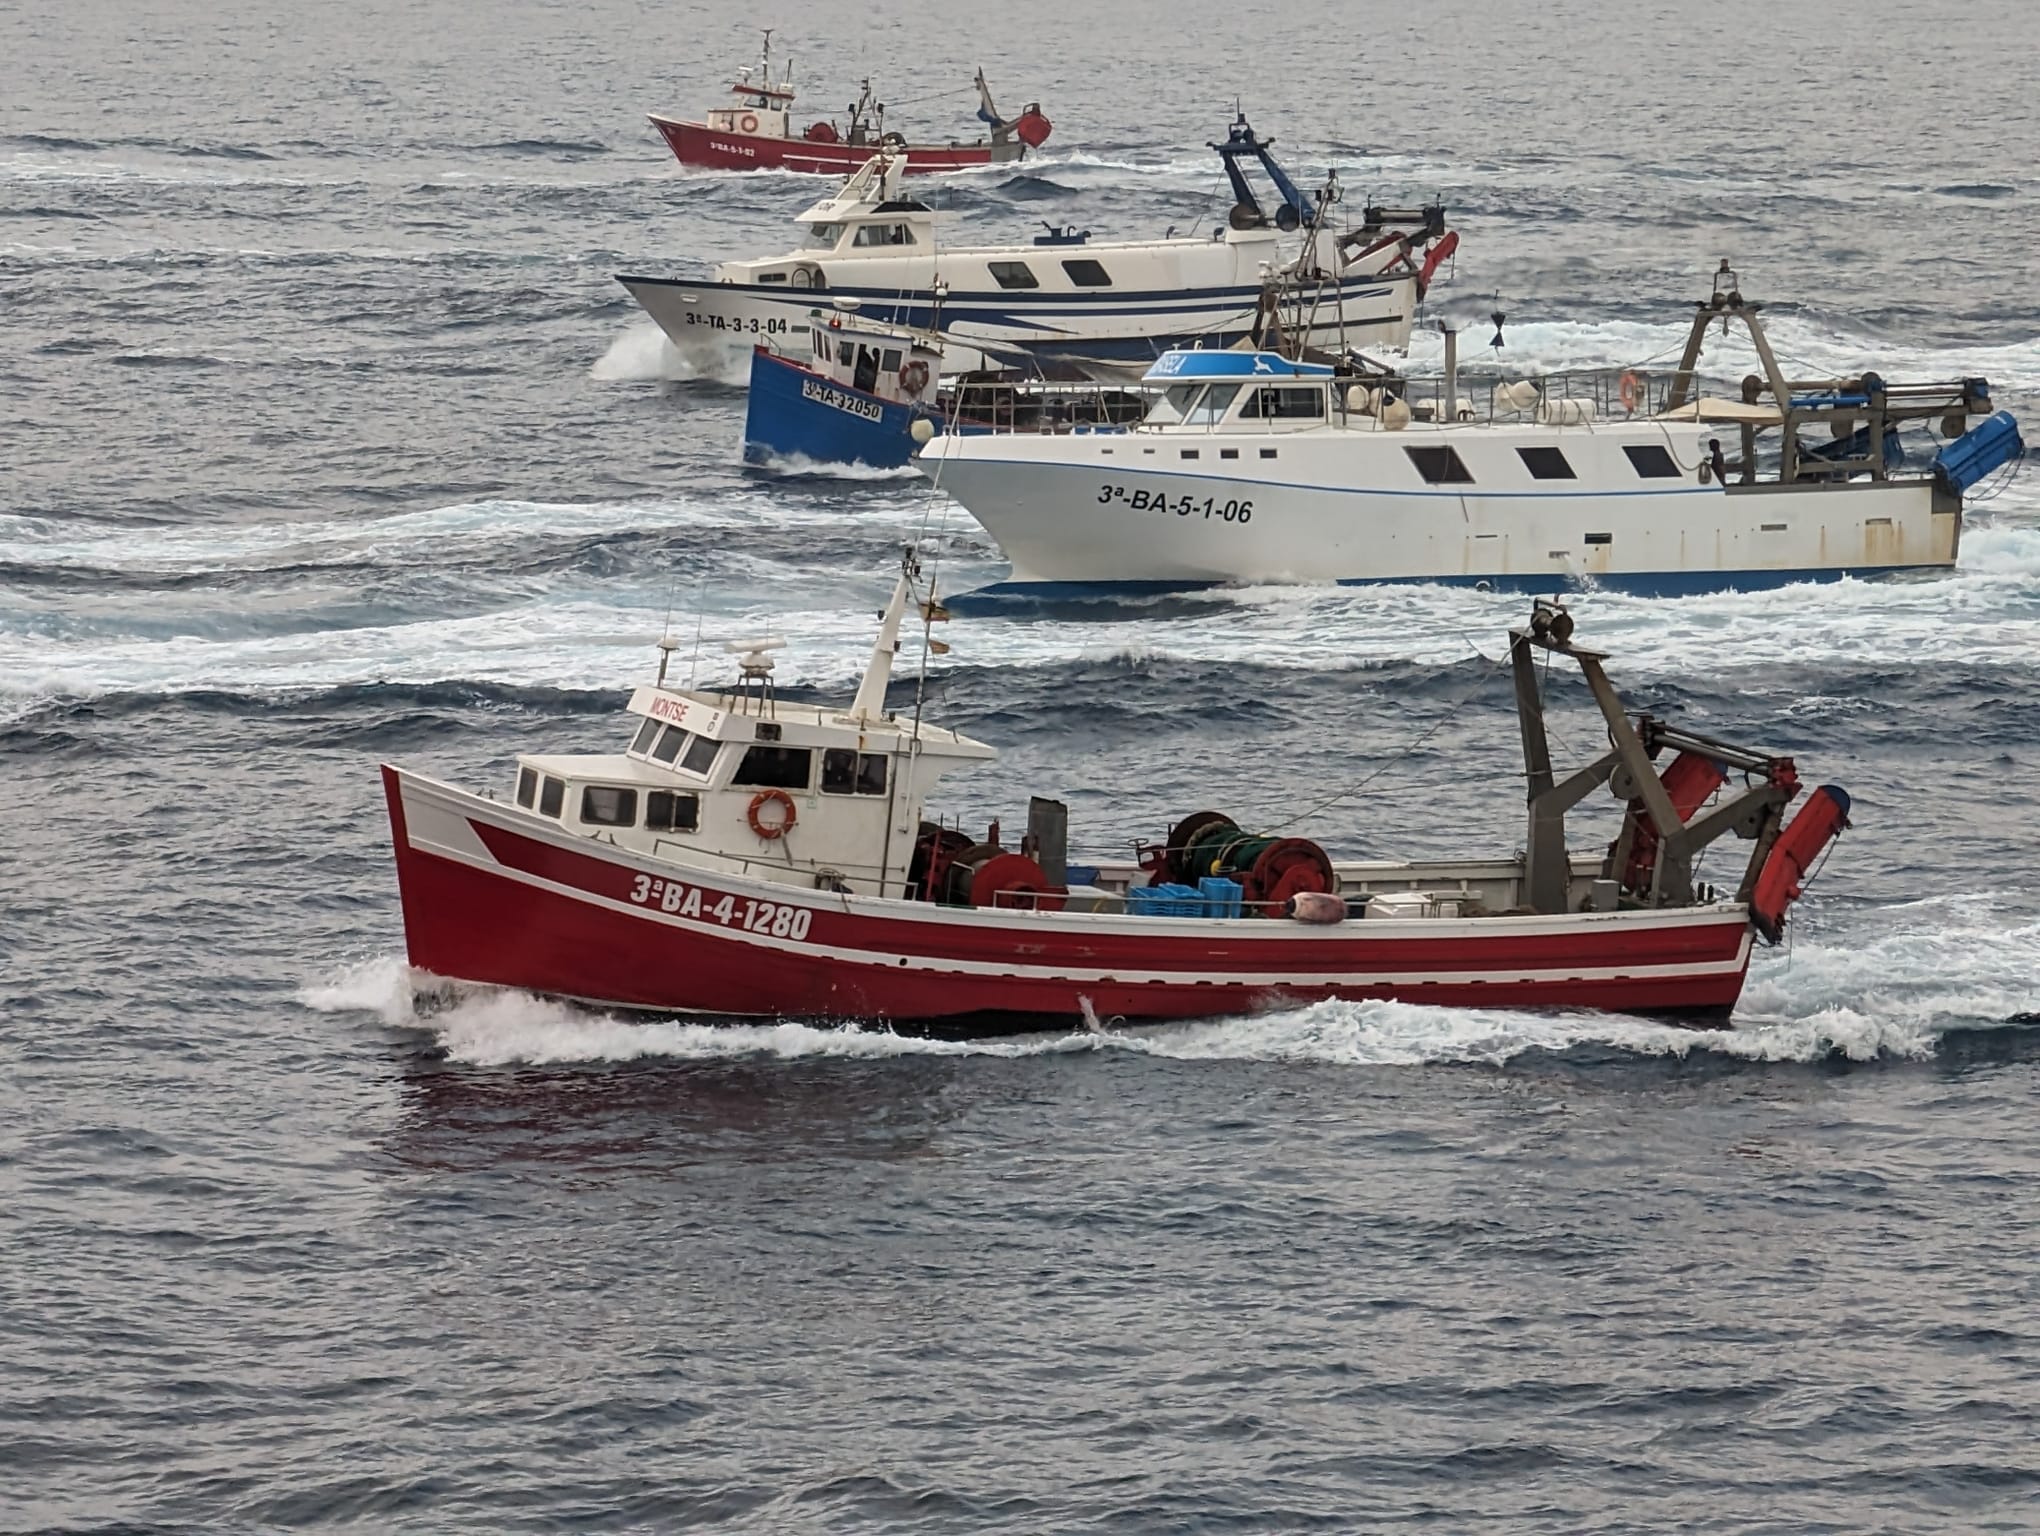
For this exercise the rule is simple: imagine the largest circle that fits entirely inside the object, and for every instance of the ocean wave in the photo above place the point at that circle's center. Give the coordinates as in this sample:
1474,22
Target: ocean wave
578,602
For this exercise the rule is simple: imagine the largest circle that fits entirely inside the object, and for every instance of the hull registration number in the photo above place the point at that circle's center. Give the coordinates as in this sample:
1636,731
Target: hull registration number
775,918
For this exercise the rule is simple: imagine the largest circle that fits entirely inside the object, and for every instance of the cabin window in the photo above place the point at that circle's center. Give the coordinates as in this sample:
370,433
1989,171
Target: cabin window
1546,464
823,237
845,772
551,797
1086,273
1272,404
1600,538
700,755
669,745
1014,274
1173,402
776,767
645,733
883,234
527,786
1652,462
669,811
1268,453
1216,402
890,362
608,805
771,277
845,351
1440,466
1228,453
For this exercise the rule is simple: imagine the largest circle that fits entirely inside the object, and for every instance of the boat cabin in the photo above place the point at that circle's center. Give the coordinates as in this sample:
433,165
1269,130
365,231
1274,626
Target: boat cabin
763,105
1262,391
894,363
814,796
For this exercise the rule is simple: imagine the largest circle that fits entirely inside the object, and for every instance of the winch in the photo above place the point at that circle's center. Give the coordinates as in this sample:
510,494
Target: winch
1269,868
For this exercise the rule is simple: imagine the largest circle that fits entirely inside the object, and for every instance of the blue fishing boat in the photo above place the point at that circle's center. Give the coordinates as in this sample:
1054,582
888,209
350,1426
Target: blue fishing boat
872,393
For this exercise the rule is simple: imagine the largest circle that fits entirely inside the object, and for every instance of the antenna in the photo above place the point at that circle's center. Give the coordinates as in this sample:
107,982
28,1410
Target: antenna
694,664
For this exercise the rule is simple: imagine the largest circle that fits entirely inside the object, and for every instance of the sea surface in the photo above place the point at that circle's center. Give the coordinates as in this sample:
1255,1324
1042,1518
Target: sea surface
326,438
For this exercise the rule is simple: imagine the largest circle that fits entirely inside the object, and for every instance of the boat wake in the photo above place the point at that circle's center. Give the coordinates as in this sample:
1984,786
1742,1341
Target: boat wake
1919,972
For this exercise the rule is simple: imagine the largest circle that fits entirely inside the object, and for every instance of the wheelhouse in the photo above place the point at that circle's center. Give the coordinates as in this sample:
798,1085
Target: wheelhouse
804,794
1240,390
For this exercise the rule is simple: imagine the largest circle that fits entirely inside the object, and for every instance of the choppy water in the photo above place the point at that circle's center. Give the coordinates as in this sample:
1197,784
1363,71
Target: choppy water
328,439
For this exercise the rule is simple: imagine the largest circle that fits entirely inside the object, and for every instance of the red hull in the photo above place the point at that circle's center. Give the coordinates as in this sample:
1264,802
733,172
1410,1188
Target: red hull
487,901
697,144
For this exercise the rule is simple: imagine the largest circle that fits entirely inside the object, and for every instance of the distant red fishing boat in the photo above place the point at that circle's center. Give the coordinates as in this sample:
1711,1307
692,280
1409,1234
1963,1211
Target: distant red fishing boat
757,133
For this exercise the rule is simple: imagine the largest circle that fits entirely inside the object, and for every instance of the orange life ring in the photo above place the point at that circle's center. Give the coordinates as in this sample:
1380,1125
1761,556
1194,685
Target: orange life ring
914,376
771,831
748,123
1632,390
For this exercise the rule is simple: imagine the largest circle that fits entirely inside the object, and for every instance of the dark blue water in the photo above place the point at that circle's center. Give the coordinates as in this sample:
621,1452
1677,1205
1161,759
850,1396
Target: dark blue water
328,439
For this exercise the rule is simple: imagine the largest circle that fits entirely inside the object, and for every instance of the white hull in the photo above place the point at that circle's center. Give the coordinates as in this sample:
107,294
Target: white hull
716,324
1114,509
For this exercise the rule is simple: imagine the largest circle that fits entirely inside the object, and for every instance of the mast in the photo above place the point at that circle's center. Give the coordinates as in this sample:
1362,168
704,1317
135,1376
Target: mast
869,704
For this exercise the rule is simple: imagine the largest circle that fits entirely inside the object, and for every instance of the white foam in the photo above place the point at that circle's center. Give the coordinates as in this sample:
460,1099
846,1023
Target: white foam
1899,979
427,534
569,630
646,354
382,985
800,466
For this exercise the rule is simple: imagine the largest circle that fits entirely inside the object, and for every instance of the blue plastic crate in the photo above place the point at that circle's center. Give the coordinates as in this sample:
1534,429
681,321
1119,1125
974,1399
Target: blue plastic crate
1148,901
1219,896
1165,901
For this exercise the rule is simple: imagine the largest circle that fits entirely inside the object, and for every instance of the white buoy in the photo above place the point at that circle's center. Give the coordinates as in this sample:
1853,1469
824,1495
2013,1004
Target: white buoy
1565,413
1519,395
922,430
1395,415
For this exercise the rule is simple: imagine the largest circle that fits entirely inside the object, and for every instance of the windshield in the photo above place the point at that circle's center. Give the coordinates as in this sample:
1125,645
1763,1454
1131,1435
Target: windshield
1212,406
823,237
1170,407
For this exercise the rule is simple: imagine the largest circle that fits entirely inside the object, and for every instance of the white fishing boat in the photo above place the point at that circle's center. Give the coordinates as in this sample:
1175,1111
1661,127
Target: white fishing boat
1066,300
1255,468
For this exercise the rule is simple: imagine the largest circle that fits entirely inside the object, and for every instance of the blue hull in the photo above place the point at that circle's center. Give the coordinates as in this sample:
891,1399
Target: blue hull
793,414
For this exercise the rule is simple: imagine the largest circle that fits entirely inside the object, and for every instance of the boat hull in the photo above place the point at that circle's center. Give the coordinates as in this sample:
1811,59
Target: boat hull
715,324
792,414
1086,515
498,897
697,144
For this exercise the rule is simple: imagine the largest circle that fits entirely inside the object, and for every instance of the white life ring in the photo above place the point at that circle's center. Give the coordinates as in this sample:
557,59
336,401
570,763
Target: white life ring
914,376
748,123
803,276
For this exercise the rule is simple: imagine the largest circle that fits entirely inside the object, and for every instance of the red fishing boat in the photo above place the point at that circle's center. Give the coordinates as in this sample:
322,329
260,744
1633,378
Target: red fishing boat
746,857
757,134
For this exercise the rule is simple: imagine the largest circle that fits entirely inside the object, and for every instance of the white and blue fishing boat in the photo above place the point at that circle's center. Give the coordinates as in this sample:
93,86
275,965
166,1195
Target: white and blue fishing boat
1068,302
869,393
1253,468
